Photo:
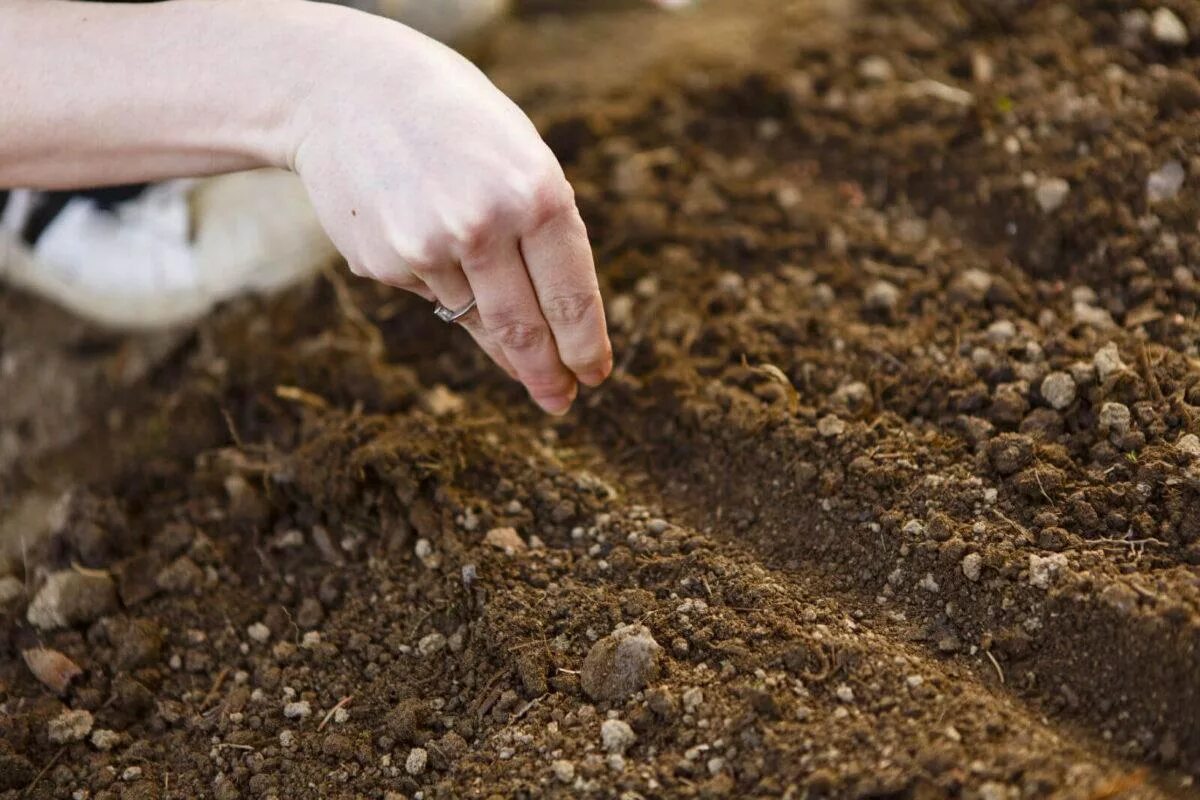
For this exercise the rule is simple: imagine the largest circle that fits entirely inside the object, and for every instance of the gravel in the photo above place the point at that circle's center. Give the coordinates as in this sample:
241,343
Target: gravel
1058,389
1165,182
617,736
882,296
70,726
1167,28
1045,570
1115,418
10,589
506,539
71,598
564,771
621,663
1108,361
418,759
1051,193
298,709
259,632
1189,444
972,566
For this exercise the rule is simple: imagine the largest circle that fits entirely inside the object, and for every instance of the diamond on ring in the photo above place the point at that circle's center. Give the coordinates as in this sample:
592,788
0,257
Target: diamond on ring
449,315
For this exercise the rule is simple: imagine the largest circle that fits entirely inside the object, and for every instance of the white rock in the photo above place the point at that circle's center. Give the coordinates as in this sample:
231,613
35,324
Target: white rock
1168,28
831,425
1051,193
844,693
10,589
506,539
881,296
287,739
1001,331
693,699
876,68
259,632
1165,182
1093,316
417,759
1045,570
1115,418
1058,388
70,726
1189,444
972,566
564,771
617,736
104,739
298,709
431,643
69,598
1108,361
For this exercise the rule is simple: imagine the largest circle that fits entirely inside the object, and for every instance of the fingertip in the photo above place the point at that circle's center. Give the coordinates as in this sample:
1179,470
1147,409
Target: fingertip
558,405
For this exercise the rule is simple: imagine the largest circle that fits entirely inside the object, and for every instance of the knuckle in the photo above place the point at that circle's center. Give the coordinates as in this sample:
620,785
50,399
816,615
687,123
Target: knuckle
570,308
519,334
549,200
478,231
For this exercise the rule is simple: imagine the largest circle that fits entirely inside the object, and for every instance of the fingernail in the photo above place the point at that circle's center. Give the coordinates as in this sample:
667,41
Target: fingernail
555,405
594,378
559,404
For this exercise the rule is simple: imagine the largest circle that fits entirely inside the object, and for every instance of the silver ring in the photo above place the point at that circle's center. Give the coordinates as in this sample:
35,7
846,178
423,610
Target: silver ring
449,315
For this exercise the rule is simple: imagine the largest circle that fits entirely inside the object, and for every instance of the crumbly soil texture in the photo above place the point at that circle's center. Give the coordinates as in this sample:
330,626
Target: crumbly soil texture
894,493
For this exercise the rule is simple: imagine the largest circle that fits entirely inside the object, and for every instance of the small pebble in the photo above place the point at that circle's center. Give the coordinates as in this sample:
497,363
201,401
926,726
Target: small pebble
972,566
830,426
259,632
506,539
1165,182
693,699
1058,388
617,736
876,69
431,643
104,739
1107,361
564,771
10,589
1168,28
299,709
71,598
844,693
1115,418
70,726
881,296
417,759
1044,570
1051,193
1189,444
620,664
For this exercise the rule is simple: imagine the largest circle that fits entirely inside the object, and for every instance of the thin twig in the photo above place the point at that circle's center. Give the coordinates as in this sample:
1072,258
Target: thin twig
29,789
345,701
995,664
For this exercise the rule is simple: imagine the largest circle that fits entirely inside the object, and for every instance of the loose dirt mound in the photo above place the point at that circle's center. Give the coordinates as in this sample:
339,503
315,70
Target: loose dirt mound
897,484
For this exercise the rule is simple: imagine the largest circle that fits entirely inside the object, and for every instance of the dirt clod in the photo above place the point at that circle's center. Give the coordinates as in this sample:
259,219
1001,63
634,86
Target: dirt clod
620,664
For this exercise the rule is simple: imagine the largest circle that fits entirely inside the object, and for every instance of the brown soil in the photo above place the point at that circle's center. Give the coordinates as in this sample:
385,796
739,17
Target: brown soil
883,556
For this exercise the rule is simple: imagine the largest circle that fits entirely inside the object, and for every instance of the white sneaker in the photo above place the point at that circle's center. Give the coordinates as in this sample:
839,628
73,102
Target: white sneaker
162,254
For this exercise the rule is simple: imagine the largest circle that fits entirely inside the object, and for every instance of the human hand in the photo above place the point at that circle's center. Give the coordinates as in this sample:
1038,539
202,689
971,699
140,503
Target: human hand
426,177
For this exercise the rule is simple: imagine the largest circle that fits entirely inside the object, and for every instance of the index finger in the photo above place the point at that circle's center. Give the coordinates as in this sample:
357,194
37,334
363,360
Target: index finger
559,259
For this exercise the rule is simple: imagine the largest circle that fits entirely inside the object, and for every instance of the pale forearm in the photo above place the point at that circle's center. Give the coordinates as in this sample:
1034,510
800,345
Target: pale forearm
100,93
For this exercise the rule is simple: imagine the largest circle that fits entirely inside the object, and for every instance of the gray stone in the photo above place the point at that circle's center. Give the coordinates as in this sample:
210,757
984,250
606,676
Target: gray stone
621,663
70,598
